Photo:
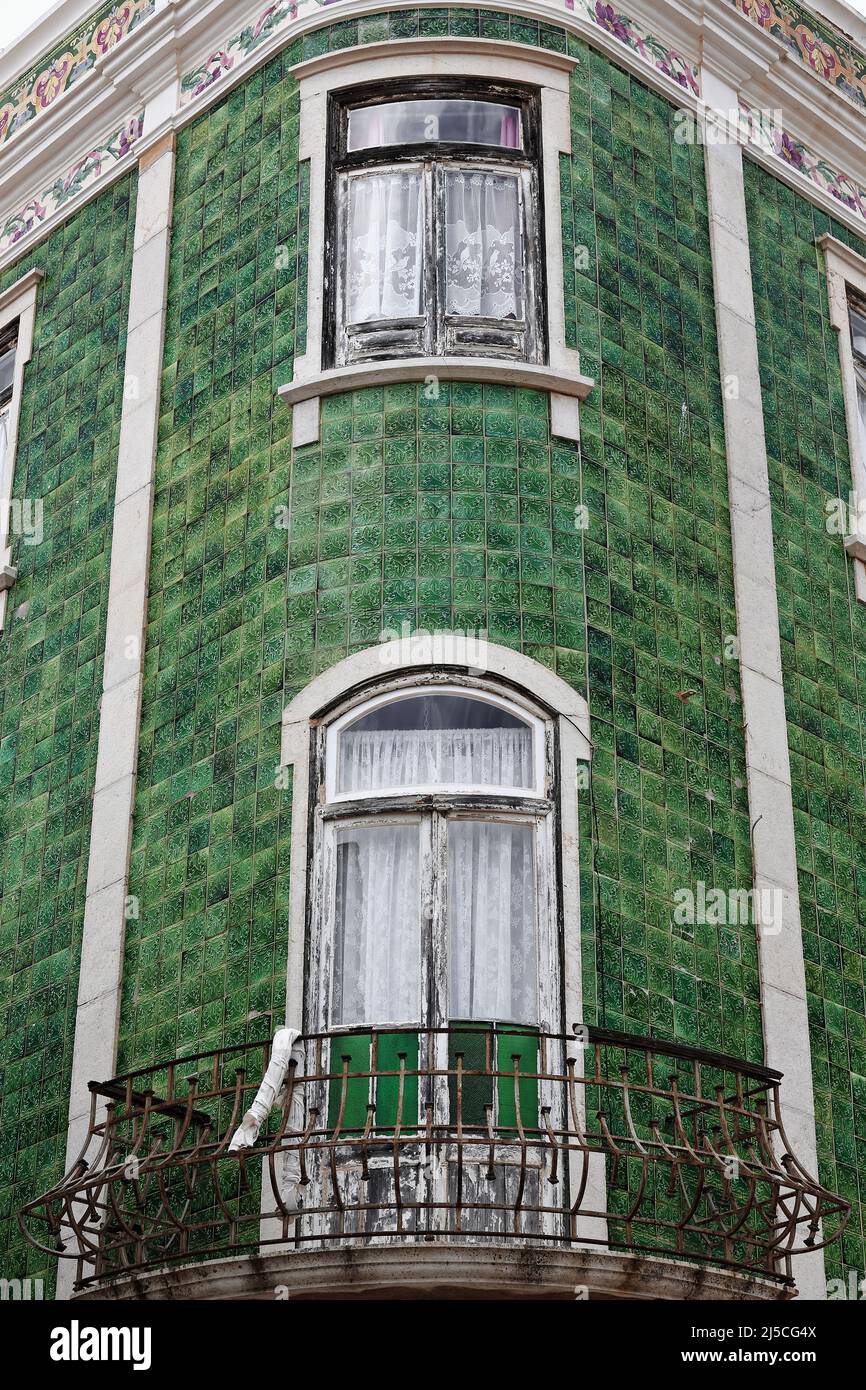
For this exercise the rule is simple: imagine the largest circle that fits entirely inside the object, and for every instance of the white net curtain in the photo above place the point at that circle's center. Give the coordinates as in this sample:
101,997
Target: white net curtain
379,759
436,740
385,250
483,247
491,921
861,408
377,950
385,246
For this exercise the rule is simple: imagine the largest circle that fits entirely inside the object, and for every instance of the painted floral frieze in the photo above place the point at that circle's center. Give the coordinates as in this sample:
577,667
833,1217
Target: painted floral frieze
272,20
52,76
803,160
71,185
276,18
651,49
823,49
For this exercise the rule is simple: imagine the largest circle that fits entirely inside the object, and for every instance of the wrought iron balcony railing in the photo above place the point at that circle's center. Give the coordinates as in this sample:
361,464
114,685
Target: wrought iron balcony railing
471,1133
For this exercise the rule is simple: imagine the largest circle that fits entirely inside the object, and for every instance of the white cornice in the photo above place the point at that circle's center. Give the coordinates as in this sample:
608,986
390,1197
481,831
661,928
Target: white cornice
183,33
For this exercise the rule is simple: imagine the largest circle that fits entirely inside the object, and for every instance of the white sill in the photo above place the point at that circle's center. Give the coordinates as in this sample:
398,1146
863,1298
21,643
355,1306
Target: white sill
567,388
8,575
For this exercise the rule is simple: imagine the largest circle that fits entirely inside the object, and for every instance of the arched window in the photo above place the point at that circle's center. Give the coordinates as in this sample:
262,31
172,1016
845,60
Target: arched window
433,864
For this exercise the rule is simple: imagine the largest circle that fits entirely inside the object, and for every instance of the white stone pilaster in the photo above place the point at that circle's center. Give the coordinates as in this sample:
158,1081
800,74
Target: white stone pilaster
780,948
100,974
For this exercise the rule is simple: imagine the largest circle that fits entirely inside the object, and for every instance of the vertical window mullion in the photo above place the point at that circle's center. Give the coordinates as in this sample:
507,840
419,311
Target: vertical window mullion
436,281
438,925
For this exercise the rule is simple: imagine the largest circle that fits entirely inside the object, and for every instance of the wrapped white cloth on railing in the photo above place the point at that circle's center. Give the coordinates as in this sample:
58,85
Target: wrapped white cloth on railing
272,1089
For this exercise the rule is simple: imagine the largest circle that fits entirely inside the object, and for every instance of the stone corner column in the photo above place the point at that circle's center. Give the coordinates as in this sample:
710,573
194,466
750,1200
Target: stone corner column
771,813
106,901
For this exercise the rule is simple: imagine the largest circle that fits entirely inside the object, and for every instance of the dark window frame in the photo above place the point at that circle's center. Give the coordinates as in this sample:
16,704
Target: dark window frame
8,343
435,333
856,305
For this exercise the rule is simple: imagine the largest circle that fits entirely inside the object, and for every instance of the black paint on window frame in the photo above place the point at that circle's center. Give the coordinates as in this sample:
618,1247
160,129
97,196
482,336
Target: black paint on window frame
435,333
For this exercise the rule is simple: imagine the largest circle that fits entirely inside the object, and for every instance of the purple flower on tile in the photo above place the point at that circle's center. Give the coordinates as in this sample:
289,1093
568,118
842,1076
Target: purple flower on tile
216,65
790,151
607,17
50,83
25,221
128,135
113,28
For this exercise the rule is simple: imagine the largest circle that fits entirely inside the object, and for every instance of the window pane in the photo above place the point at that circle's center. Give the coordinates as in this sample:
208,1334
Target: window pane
4,435
491,915
861,411
416,122
7,371
377,937
436,740
385,246
483,245
858,329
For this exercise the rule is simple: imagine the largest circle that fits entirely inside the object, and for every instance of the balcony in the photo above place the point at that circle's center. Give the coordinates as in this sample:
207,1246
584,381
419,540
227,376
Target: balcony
489,1154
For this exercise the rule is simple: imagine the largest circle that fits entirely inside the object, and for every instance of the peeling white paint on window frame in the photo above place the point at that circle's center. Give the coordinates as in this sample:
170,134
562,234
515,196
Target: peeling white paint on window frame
846,272
17,302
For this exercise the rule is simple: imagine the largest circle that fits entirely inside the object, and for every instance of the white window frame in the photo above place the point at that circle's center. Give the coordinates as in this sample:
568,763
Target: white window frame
417,660
393,696
846,276
433,808
17,302
491,61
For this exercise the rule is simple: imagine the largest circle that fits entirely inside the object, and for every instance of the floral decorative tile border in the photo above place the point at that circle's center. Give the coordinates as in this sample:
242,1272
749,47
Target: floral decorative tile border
70,186
55,74
651,49
277,17
798,156
818,45
271,20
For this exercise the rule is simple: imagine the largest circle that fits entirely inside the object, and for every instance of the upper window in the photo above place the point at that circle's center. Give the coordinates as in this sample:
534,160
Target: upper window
857,318
434,224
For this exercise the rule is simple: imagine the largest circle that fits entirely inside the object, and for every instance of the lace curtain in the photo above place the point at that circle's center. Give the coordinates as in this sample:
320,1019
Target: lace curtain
379,759
4,435
377,947
491,917
385,246
491,926
861,409
483,245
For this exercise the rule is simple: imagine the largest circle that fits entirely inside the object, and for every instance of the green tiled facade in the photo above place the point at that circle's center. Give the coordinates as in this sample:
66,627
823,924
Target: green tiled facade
446,507
50,680
457,511
823,630
668,805
205,958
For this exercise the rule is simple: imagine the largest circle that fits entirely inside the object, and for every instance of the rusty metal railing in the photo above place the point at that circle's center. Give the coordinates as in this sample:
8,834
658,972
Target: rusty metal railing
474,1132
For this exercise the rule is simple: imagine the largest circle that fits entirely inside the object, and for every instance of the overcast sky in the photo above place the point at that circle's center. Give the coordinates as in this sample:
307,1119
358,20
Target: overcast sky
18,15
